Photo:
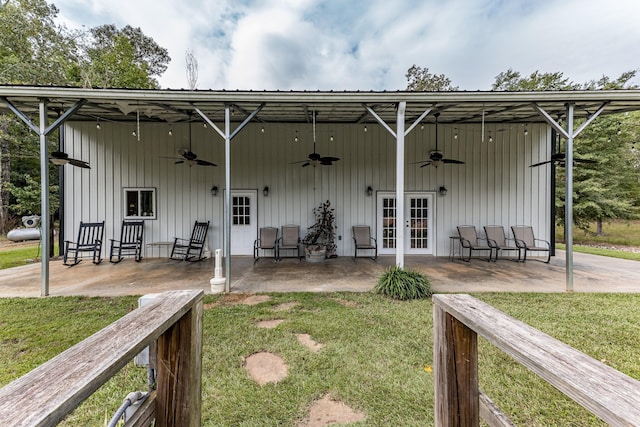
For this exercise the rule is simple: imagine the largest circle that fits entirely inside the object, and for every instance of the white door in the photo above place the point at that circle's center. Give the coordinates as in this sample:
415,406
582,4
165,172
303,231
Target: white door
243,221
417,224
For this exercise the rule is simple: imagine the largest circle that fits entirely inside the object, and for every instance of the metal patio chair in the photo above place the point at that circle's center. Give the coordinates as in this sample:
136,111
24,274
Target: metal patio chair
469,240
267,241
362,240
289,241
497,240
527,242
191,249
89,241
130,242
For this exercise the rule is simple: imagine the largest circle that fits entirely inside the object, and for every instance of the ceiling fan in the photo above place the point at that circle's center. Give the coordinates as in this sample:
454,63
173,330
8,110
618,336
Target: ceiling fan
315,158
559,159
189,157
436,158
60,158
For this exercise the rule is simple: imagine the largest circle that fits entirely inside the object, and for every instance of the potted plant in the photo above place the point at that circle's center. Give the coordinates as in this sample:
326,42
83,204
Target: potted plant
319,241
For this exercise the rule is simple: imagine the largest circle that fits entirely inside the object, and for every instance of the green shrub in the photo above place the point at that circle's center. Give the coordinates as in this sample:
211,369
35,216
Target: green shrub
402,284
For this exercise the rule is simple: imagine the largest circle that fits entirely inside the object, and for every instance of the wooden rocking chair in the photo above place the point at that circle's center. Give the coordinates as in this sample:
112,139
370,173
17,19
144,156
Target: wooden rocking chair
191,249
89,240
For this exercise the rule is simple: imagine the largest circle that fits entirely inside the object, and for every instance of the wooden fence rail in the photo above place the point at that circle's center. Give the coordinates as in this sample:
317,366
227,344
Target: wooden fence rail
44,396
458,319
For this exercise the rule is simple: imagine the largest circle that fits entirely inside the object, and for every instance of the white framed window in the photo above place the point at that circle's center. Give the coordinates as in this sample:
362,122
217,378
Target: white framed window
139,203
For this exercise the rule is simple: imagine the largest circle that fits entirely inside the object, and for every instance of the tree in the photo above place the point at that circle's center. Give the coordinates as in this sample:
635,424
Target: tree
511,80
420,79
122,58
33,50
608,189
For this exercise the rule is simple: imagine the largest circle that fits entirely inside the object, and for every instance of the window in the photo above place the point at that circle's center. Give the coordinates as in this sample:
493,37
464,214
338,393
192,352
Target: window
140,203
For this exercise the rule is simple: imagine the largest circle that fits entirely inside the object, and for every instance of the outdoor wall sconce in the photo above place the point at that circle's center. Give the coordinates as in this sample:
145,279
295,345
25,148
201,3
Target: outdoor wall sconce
369,191
443,191
214,190
265,191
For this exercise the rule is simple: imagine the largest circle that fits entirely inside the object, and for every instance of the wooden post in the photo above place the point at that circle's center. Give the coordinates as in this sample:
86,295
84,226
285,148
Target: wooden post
179,362
455,362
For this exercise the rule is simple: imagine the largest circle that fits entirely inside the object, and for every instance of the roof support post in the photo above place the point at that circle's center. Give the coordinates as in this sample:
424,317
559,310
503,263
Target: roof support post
570,135
402,106
44,200
228,136
227,197
568,200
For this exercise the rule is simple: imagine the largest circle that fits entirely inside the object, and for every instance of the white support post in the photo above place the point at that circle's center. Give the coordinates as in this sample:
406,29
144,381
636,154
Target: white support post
44,199
227,196
568,203
402,106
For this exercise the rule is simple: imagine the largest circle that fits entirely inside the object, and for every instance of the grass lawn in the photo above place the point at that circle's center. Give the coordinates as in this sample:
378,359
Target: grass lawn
374,356
616,233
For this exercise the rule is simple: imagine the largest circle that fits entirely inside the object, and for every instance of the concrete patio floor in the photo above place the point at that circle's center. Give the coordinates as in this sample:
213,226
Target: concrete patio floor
591,274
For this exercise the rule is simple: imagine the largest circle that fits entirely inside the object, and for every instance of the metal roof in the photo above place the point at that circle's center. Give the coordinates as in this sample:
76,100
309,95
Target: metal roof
124,105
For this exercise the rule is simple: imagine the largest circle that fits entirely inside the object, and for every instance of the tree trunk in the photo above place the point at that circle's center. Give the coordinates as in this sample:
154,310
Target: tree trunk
599,228
5,175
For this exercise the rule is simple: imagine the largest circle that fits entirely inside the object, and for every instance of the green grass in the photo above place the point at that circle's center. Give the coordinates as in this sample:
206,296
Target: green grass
619,232
635,256
21,255
374,358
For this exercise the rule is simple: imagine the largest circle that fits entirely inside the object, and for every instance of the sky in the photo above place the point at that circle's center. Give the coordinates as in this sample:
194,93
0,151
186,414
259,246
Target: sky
370,44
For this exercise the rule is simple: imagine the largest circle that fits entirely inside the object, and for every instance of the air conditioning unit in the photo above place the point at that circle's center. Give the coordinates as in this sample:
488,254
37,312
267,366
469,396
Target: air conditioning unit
31,221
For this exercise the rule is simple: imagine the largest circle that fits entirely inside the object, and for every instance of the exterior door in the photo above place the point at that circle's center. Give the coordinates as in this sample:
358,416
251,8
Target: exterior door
417,224
243,221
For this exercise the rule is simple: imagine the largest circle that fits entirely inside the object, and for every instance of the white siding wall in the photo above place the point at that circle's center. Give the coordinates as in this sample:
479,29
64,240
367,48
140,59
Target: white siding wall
495,186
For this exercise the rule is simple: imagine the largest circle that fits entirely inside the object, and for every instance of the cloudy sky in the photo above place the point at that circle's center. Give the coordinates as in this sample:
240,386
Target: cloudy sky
370,44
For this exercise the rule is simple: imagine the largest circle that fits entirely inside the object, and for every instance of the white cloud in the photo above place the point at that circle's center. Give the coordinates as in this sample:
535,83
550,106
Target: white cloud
369,45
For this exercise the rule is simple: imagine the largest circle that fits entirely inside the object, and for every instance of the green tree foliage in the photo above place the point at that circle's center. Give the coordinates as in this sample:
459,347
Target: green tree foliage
36,51
609,189
511,80
420,79
122,58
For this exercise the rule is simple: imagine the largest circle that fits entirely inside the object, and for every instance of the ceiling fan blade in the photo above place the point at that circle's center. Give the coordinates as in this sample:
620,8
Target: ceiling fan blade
178,162
452,161
205,163
79,163
329,159
539,164
299,161
425,163
306,164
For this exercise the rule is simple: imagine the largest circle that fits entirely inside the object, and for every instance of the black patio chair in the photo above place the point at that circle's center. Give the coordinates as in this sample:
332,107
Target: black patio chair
498,241
89,241
527,242
130,243
191,249
289,241
268,240
469,240
363,240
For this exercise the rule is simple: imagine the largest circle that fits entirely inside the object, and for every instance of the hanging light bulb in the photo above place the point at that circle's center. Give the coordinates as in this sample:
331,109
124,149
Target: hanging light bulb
421,125
490,137
262,129
331,138
98,124
296,137
204,125
526,131
365,128
455,135
134,133
170,132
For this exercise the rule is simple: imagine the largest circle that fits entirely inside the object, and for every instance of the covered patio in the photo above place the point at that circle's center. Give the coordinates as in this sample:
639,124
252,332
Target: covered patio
591,274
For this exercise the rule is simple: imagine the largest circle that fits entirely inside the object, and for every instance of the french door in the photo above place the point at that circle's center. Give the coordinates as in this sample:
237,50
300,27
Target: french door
243,221
417,224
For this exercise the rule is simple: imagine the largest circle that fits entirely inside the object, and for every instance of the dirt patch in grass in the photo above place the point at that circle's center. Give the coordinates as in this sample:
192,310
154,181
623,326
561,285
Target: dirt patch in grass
265,367
285,306
269,324
346,302
227,299
305,340
255,299
326,411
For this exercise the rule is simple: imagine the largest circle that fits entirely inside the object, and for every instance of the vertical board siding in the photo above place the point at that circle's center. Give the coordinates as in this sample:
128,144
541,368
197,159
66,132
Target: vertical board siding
494,186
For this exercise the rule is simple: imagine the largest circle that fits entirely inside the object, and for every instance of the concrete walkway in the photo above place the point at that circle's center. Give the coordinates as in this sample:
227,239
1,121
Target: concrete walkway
591,274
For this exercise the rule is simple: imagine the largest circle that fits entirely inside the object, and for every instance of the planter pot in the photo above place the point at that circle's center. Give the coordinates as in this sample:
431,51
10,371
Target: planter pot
318,255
